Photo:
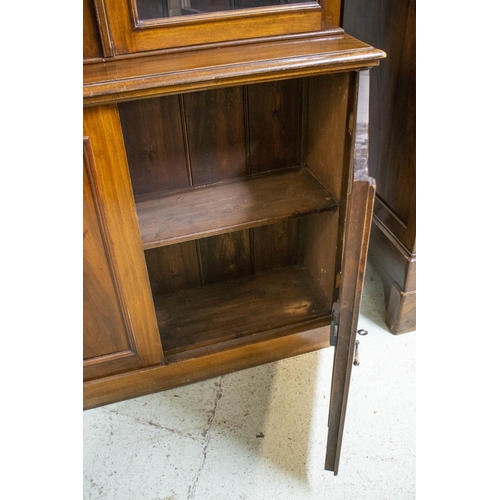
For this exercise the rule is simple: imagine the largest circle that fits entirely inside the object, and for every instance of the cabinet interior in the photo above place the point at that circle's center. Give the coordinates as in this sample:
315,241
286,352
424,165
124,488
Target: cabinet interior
238,192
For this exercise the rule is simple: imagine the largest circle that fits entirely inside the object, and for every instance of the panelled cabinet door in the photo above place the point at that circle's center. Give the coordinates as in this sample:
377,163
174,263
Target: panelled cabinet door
359,217
120,332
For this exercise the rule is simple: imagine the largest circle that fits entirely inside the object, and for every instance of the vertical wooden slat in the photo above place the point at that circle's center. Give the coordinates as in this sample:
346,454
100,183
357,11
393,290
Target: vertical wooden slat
274,129
304,120
152,131
185,136
246,112
276,245
225,257
173,268
215,126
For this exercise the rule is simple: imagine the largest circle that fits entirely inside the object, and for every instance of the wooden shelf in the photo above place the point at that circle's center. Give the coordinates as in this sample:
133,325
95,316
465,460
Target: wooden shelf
168,218
267,302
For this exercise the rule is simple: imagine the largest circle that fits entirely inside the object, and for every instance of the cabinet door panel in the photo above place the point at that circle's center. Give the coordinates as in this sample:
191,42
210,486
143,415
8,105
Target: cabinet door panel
358,225
120,329
106,332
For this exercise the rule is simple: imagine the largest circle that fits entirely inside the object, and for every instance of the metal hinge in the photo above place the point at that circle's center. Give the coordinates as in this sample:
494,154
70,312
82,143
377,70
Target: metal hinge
334,327
350,125
338,280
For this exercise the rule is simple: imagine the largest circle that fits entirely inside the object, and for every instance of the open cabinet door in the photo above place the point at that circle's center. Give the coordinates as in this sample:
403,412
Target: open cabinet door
357,237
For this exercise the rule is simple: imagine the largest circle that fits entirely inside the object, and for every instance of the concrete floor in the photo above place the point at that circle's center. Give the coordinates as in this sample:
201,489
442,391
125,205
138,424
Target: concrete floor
260,434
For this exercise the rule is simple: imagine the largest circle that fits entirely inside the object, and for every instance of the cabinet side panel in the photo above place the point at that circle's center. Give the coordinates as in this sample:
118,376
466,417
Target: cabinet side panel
215,127
273,125
152,131
327,122
319,233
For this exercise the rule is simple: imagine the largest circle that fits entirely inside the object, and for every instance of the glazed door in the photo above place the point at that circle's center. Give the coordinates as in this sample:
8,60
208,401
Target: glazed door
120,332
131,26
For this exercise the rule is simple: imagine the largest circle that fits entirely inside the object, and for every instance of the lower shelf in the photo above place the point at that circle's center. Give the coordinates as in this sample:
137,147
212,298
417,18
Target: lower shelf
212,314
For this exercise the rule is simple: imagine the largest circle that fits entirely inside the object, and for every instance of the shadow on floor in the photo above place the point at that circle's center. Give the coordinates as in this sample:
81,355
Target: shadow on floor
373,301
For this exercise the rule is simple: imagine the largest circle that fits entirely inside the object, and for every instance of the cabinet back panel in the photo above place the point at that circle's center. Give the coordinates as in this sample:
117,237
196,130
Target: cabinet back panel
205,137
215,125
225,257
153,135
273,125
276,245
173,268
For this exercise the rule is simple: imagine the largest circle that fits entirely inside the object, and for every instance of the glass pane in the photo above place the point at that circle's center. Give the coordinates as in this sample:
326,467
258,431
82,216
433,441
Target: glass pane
154,9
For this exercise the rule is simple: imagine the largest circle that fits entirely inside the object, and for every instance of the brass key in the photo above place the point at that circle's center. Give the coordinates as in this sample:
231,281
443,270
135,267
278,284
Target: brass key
356,354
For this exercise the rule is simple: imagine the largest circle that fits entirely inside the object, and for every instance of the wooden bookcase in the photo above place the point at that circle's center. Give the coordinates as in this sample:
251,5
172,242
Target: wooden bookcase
225,222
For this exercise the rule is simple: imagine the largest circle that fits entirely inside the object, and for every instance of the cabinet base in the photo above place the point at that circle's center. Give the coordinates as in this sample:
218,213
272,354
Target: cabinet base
159,378
400,315
397,268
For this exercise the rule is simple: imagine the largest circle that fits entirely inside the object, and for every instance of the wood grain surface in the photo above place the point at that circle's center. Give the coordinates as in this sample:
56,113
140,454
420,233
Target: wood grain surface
263,302
221,208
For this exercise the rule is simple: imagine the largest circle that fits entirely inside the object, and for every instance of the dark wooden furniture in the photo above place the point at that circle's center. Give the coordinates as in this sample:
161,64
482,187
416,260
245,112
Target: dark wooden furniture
225,223
390,25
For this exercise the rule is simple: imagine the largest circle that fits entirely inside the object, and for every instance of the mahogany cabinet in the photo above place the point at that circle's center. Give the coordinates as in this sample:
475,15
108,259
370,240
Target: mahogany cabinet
391,25
226,221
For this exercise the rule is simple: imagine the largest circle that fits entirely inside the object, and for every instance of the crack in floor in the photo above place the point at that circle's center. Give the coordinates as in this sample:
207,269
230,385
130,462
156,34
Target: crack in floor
152,424
204,433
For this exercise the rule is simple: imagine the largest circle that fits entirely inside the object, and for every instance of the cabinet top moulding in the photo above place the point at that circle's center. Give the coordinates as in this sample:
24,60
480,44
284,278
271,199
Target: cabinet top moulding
223,66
